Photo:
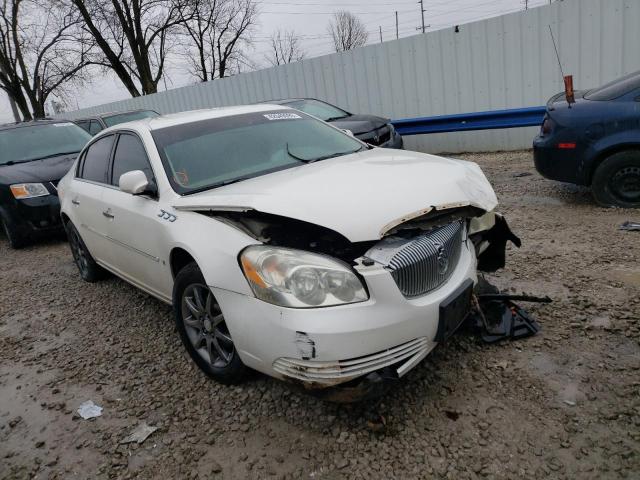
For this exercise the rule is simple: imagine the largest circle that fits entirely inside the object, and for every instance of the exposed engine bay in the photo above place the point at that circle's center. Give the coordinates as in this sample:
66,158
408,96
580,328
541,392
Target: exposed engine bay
488,231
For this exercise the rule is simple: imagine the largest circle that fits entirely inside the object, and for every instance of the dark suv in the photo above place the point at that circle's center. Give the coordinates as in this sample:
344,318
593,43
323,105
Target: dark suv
99,122
34,156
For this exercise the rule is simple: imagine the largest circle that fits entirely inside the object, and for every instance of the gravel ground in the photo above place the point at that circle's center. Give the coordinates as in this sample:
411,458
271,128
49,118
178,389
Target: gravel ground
563,404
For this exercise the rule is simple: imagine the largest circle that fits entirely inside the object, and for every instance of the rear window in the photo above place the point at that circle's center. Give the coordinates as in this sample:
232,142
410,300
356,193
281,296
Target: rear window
33,142
615,89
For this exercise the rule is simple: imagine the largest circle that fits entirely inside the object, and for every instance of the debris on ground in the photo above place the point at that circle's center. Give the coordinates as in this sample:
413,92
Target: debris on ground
89,410
140,434
522,174
630,226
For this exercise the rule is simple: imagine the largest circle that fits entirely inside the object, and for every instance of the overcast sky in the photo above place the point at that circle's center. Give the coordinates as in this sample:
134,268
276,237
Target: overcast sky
309,19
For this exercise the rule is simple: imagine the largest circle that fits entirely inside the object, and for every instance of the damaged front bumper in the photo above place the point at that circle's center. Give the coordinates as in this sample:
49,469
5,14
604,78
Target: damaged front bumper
342,346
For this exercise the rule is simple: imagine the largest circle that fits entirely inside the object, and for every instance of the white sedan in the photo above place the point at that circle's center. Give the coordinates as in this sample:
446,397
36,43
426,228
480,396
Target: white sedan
284,244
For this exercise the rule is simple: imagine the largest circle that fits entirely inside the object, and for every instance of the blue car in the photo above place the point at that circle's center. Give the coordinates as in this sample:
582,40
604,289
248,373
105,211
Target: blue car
595,141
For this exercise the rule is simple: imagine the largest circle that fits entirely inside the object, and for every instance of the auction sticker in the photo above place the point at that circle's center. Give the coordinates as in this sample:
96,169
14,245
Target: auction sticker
281,116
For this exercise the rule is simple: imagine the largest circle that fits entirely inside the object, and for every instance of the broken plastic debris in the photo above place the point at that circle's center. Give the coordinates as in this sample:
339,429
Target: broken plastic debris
89,410
630,226
140,434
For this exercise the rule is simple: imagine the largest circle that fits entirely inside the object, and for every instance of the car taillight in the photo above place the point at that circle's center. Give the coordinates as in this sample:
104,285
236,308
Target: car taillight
547,126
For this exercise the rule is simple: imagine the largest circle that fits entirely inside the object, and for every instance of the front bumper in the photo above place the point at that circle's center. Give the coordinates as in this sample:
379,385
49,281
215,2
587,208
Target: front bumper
33,217
325,347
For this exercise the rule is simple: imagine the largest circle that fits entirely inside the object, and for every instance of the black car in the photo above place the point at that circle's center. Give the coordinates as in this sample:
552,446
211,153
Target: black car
99,122
595,141
34,156
373,130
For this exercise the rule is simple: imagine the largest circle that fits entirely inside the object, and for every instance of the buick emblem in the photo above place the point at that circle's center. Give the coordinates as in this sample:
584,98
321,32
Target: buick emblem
443,259
376,139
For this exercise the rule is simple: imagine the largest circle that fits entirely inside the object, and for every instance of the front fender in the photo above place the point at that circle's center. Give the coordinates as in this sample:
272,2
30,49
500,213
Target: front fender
214,246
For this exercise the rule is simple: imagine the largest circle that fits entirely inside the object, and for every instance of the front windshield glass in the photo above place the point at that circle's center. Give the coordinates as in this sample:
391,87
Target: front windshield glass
209,153
23,144
319,109
129,117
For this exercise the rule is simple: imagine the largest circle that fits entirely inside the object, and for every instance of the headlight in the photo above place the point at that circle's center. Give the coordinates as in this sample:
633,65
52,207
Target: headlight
28,190
293,278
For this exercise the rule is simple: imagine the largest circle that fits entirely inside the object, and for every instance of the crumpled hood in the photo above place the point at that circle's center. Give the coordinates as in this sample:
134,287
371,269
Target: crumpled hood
358,195
359,124
36,171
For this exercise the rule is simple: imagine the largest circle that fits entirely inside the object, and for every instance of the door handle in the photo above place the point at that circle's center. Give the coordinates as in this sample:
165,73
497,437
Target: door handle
75,202
107,213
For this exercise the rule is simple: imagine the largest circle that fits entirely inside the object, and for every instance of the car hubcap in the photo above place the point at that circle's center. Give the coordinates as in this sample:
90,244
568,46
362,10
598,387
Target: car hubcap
79,254
625,184
205,326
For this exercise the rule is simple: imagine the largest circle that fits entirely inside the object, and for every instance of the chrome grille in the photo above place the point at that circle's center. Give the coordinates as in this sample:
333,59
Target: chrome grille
427,261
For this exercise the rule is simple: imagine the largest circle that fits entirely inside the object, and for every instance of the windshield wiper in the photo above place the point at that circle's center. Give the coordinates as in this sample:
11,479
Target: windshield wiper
323,157
15,162
60,154
332,119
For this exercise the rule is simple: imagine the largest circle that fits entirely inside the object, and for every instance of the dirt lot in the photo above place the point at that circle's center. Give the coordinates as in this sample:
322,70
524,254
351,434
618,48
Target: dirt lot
563,404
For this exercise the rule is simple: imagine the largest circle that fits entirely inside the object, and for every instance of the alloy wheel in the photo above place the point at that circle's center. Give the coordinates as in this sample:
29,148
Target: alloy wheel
205,326
79,253
625,184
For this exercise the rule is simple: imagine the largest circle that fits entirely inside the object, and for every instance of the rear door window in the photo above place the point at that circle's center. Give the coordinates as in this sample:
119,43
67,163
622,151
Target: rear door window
96,160
129,155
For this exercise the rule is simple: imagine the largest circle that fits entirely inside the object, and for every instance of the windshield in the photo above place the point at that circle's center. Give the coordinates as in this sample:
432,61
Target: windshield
319,109
615,89
210,153
23,144
129,117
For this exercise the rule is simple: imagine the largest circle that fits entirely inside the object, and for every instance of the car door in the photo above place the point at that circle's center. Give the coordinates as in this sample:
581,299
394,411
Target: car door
87,196
136,229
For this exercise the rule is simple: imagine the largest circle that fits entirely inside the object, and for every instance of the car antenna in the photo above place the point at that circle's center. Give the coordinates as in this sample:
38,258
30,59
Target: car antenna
568,79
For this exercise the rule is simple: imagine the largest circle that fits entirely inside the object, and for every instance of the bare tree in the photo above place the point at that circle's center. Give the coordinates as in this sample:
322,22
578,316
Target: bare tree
134,36
216,32
347,31
42,52
285,48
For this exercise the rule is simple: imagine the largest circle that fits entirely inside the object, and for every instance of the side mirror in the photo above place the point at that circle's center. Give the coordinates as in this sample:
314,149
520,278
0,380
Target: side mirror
134,182
348,132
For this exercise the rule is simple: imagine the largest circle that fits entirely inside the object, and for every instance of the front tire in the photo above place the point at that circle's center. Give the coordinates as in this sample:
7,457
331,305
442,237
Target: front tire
89,270
15,239
616,181
203,329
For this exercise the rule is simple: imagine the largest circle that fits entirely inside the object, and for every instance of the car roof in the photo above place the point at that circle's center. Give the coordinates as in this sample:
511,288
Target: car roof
181,118
111,114
31,123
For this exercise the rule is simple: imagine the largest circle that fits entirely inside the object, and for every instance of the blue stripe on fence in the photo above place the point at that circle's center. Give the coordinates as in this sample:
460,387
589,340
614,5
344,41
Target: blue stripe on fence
513,118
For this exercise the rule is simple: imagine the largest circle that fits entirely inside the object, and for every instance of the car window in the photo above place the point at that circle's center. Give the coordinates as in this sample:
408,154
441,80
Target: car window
83,124
319,109
615,89
129,117
33,142
129,155
206,154
96,160
95,127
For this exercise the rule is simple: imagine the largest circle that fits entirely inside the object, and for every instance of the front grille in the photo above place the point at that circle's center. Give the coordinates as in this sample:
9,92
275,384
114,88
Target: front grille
428,261
339,371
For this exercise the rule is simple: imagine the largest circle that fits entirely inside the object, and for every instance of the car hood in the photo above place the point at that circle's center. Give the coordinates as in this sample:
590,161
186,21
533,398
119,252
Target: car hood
36,171
359,124
360,196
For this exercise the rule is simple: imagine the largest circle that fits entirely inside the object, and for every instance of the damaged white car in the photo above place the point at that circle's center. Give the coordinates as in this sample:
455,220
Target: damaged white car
284,244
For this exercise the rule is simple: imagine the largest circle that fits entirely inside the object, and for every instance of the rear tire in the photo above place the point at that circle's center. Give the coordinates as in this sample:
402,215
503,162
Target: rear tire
15,239
89,270
616,181
203,329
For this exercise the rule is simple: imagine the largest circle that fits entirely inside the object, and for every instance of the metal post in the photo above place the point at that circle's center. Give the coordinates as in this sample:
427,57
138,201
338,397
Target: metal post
380,27
397,36
422,13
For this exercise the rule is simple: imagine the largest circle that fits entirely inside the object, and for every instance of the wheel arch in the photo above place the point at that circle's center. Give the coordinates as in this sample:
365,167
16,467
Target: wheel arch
178,259
602,155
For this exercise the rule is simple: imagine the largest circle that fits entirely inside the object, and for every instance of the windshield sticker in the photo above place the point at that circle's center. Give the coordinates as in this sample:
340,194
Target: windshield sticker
281,116
66,124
